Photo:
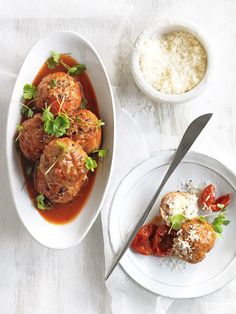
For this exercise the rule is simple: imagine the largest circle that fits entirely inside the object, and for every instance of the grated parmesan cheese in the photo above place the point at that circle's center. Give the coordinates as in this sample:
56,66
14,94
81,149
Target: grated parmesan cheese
173,63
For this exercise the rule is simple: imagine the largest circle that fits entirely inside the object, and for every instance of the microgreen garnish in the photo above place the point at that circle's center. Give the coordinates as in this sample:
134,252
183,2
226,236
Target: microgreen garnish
84,103
77,69
26,111
63,146
90,164
55,126
176,221
53,83
220,206
202,218
29,91
54,60
41,202
219,221
20,129
29,170
101,152
100,123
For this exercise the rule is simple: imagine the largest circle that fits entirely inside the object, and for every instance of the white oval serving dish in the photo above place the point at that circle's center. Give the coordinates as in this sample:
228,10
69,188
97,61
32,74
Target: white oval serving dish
161,27
51,235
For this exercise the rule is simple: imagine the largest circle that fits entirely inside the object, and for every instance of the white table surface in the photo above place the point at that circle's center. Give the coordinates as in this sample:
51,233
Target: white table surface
34,279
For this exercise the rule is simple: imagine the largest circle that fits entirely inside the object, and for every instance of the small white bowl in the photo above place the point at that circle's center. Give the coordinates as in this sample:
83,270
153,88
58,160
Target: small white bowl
162,27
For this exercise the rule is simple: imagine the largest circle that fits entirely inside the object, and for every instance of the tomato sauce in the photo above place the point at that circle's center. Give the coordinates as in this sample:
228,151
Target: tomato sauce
63,213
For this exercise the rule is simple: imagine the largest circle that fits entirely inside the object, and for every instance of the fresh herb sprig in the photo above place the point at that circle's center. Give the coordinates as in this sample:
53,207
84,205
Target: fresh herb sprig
84,103
41,202
20,129
56,59
55,126
176,221
101,152
77,69
220,221
29,91
90,164
27,111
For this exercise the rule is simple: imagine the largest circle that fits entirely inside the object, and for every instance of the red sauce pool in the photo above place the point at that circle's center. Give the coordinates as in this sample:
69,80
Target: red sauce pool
64,213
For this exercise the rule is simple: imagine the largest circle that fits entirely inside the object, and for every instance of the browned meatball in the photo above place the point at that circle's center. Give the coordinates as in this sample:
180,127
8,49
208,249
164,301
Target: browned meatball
194,240
59,89
61,171
32,138
179,203
85,130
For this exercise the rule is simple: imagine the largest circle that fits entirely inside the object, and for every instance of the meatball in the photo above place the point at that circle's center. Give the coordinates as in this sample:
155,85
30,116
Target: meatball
176,203
61,171
59,90
194,240
32,138
85,130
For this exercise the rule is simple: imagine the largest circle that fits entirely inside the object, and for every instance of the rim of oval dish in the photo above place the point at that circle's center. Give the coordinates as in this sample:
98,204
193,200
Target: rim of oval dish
113,146
221,279
168,26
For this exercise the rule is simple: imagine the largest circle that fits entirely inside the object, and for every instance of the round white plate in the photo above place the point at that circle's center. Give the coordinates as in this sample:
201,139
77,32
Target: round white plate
168,276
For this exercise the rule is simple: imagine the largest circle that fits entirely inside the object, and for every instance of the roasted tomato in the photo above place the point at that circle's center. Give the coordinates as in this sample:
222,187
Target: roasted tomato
207,196
221,203
142,241
163,240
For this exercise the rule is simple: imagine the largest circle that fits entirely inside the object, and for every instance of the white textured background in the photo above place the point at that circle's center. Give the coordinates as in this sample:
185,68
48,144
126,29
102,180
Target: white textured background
36,280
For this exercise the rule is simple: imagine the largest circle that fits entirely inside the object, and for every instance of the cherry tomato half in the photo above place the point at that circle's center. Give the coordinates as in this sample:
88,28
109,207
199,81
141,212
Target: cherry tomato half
221,203
142,241
163,241
207,196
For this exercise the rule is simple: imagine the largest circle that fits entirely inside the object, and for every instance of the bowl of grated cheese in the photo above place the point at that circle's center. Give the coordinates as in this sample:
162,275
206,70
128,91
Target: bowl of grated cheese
172,61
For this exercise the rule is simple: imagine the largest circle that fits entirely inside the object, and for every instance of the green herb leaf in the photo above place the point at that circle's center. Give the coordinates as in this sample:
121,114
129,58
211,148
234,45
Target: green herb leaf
61,124
100,123
176,221
48,119
77,69
202,218
19,128
63,146
55,126
101,152
84,103
29,170
218,222
53,83
54,60
90,164
29,91
27,111
40,202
